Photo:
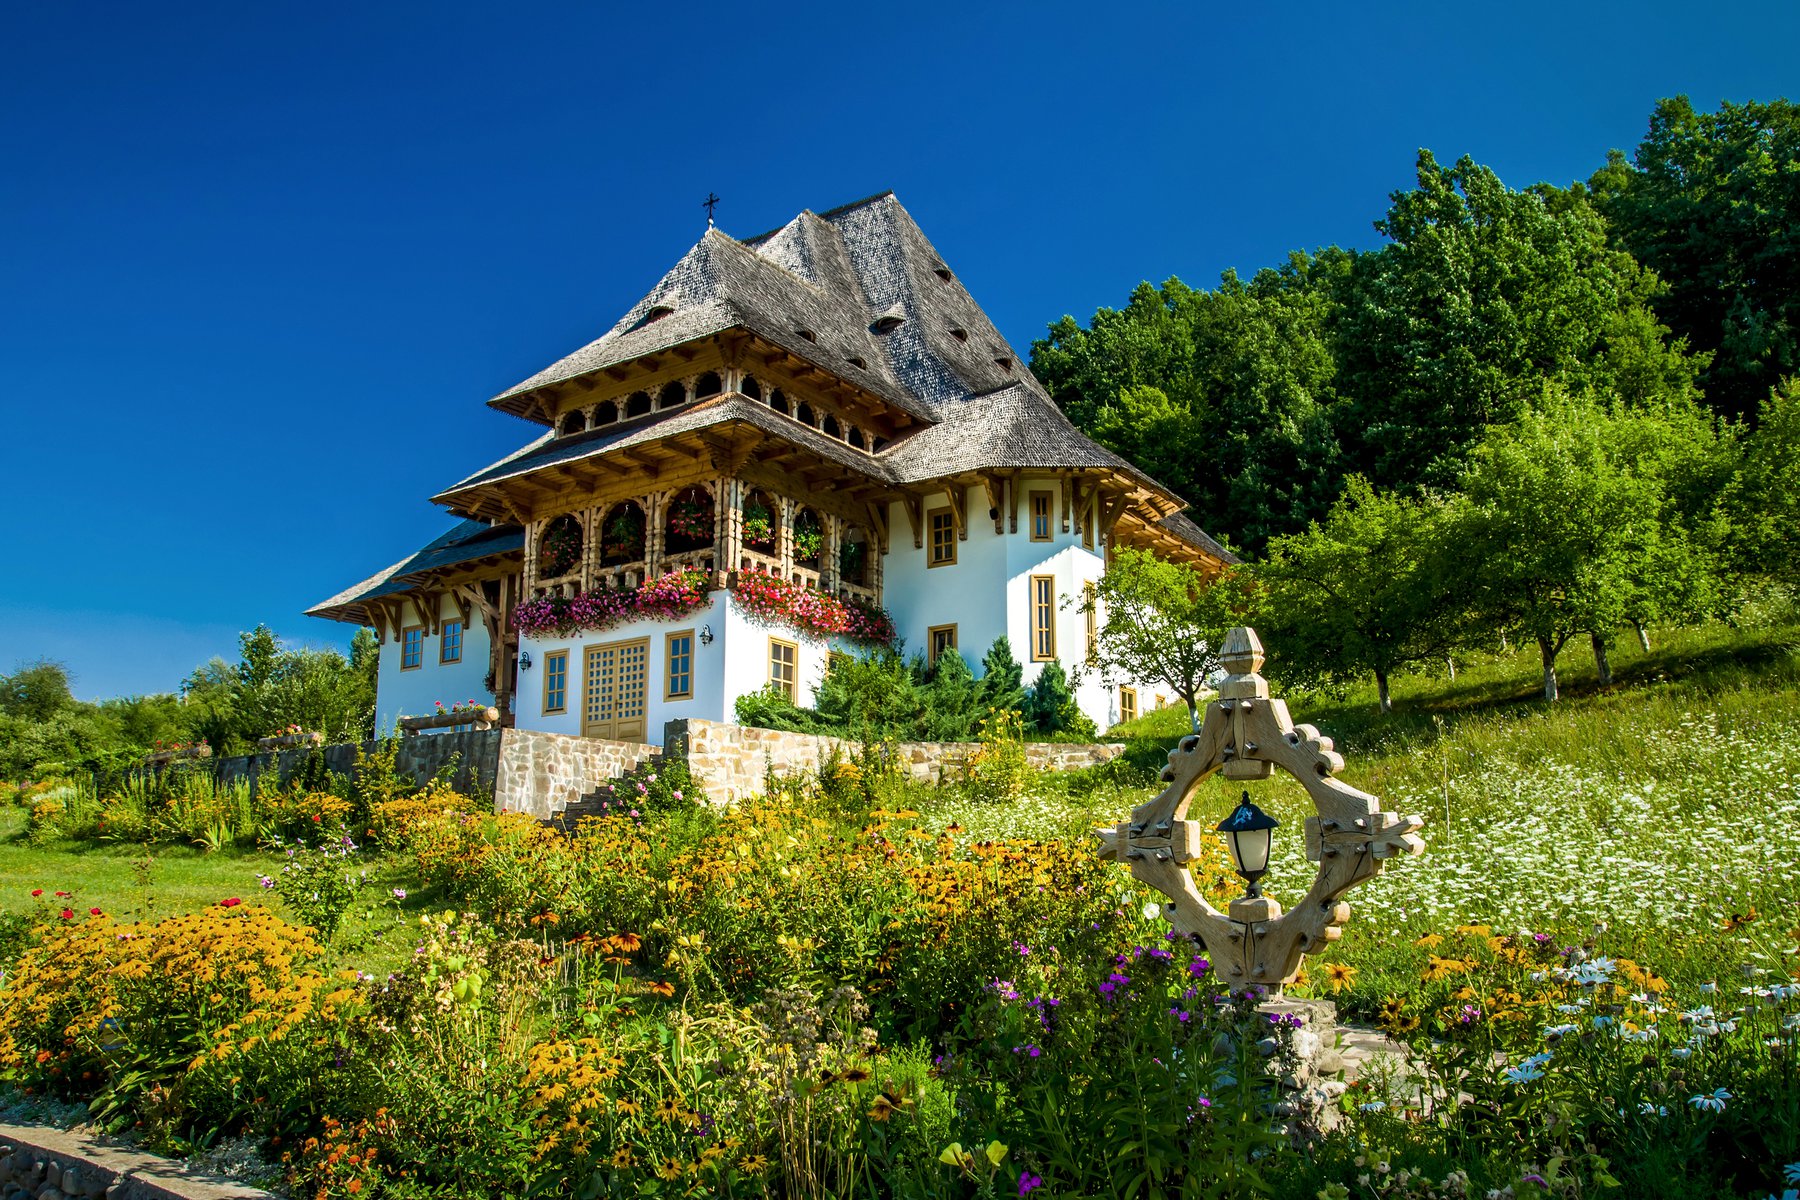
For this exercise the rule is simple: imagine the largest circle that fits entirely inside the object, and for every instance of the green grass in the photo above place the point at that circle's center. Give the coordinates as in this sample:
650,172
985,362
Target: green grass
132,882
1647,814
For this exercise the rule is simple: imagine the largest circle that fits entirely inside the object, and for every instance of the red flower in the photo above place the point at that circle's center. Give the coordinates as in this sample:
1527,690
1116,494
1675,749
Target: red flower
94,912
231,903
64,895
68,914
37,891
315,818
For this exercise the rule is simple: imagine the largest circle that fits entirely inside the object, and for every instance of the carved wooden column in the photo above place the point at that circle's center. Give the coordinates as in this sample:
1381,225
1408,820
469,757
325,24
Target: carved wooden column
589,519
655,547
784,536
728,526
529,573
831,532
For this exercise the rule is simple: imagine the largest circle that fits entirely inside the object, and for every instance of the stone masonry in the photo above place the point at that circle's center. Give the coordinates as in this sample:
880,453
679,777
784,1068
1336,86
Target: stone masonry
729,762
544,773
39,1163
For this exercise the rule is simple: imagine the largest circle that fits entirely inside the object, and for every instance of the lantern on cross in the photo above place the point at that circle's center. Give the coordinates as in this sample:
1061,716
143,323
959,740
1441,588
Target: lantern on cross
1246,734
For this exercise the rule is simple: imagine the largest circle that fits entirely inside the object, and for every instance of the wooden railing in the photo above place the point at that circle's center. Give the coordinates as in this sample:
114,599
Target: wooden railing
689,560
756,560
471,718
284,740
621,576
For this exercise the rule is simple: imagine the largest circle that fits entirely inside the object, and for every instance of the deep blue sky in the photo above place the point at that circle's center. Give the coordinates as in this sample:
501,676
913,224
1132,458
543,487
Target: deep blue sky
263,263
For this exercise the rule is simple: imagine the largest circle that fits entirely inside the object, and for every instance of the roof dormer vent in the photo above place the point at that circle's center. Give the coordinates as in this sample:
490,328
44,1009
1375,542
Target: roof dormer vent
961,335
891,319
1005,364
942,272
856,360
808,334
658,311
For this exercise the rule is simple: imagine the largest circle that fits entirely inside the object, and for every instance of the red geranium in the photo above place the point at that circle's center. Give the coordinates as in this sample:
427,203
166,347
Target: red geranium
231,903
68,914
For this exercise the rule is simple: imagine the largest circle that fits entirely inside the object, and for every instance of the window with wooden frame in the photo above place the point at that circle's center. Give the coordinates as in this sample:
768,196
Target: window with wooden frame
1128,704
1043,618
1087,527
678,650
836,659
938,639
1091,608
1043,514
450,642
784,668
412,647
556,681
942,546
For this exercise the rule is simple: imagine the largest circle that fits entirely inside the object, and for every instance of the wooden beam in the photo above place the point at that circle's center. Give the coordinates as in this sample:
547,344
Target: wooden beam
1012,501
878,524
915,516
958,496
996,491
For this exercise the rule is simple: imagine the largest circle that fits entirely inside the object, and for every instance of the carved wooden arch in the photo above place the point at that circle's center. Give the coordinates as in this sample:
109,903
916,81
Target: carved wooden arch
1245,735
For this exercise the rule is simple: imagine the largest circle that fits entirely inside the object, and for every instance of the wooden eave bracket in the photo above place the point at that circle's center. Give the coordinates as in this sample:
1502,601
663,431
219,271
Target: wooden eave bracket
996,494
878,524
958,496
915,516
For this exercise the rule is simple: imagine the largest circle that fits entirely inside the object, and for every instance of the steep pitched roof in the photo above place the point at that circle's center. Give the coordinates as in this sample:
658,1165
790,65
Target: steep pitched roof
856,283
464,542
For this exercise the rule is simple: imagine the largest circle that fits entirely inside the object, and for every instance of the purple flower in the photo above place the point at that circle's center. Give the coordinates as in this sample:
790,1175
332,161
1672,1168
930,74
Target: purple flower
1029,1183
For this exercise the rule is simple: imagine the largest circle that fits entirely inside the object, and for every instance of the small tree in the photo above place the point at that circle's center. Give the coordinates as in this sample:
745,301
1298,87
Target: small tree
1363,592
1002,677
1051,706
1567,529
1162,620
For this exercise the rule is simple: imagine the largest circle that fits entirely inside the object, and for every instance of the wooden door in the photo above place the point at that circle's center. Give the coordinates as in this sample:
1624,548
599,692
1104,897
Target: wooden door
616,690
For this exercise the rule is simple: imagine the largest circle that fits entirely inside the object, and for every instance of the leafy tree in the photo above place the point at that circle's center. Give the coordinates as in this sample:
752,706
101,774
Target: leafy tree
36,691
1362,592
1709,202
1223,395
1163,621
1764,496
1566,531
1484,296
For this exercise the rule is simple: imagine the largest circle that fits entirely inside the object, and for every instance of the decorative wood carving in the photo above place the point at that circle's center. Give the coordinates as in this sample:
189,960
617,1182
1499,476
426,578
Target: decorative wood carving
1245,735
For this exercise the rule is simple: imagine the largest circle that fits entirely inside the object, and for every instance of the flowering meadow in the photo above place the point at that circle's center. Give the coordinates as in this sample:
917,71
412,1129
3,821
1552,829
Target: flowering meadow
855,985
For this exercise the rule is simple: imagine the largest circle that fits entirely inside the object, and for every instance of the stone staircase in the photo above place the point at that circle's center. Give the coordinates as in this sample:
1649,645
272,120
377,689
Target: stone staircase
618,795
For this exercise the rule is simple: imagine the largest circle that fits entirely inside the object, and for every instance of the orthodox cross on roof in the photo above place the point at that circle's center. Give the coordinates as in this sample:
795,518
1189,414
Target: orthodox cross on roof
711,202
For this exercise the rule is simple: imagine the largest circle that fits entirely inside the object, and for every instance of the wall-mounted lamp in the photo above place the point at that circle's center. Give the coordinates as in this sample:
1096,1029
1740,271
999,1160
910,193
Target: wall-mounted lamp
524,660
706,635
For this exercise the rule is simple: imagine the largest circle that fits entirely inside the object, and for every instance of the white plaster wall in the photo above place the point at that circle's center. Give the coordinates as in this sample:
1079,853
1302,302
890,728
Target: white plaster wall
747,658
710,700
987,592
415,693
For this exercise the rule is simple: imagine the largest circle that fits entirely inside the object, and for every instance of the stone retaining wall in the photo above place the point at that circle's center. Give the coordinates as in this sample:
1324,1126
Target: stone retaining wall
40,1163
544,773
729,762
477,759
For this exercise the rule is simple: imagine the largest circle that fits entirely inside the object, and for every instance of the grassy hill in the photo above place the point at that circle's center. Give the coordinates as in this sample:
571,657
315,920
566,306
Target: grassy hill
1657,816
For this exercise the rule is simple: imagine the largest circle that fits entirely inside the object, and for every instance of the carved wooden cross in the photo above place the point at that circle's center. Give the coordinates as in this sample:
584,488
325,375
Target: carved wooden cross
1245,735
